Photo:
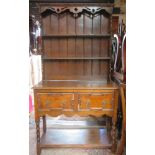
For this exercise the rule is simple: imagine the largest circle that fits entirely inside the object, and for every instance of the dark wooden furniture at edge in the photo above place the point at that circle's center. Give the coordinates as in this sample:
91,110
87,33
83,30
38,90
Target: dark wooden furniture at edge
76,58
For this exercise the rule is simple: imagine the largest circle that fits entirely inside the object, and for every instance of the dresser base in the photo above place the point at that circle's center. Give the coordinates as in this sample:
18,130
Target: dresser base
76,98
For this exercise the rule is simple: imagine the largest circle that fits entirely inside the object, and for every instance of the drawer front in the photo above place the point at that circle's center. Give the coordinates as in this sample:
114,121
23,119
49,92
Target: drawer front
56,101
94,101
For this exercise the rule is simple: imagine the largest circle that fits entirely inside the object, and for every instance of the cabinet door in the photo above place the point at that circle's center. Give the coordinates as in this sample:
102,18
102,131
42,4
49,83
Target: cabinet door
95,101
56,101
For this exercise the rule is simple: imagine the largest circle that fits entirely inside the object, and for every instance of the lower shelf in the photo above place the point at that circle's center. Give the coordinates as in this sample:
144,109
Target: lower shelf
76,138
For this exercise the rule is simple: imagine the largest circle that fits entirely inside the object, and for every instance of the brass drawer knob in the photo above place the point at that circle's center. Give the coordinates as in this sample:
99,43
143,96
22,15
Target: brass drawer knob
88,104
103,104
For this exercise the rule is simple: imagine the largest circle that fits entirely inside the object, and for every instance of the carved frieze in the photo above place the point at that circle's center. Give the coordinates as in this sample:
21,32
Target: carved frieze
77,11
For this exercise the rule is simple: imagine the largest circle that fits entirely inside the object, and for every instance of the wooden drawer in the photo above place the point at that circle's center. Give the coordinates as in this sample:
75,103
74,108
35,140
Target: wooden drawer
56,101
95,101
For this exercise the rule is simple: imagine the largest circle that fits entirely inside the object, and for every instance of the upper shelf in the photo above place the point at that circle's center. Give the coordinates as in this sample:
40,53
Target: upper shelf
74,1
76,35
76,58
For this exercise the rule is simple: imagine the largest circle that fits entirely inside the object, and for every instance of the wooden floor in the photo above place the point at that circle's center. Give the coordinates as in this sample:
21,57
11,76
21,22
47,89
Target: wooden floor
77,138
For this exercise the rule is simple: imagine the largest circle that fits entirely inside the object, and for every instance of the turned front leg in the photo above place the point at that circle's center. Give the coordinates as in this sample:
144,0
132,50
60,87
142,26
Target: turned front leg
38,136
114,138
44,124
108,126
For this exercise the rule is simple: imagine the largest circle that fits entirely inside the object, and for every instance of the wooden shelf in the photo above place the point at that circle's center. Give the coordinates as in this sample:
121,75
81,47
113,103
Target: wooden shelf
77,58
76,35
105,3
76,138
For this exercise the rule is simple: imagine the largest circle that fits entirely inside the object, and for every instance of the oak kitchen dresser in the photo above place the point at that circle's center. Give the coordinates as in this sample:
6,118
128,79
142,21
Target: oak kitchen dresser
76,68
